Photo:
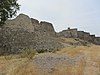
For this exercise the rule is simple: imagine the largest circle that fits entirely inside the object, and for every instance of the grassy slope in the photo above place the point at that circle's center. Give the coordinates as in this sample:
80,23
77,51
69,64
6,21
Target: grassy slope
89,65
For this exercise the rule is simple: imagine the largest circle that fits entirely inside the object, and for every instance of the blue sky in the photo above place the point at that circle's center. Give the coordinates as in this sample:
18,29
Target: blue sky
81,14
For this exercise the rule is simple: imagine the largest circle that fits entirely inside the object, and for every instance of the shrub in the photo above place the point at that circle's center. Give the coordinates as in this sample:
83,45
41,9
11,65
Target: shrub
28,53
41,50
55,50
8,57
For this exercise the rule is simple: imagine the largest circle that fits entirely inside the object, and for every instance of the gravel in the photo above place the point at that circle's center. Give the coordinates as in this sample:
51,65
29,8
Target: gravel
47,62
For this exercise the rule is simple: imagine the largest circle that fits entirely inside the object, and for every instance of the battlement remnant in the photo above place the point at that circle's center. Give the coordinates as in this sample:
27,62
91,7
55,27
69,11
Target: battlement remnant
47,28
25,32
97,40
74,33
68,33
22,21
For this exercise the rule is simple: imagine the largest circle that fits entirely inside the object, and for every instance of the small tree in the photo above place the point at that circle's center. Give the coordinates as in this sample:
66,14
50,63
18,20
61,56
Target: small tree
8,9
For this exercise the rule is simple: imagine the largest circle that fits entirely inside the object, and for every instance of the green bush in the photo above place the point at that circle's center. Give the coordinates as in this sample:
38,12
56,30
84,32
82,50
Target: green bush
41,50
28,53
55,50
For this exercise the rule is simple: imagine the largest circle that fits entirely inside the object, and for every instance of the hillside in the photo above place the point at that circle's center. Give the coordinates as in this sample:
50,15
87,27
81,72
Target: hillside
80,60
30,47
24,32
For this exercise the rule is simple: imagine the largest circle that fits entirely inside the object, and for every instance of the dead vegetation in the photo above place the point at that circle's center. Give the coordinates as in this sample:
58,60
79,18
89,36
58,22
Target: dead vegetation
89,64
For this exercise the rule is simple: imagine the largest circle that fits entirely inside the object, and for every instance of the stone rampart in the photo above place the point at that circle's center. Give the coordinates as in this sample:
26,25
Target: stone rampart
24,32
47,28
22,21
97,40
68,33
74,33
83,35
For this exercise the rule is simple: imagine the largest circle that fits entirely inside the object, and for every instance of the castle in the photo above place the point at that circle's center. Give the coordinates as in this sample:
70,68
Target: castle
74,33
24,32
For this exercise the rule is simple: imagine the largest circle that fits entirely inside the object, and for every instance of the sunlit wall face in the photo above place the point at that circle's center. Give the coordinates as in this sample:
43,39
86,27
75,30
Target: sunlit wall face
81,14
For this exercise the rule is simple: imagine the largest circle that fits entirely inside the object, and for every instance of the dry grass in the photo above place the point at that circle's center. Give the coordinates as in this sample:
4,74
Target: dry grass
92,58
69,69
14,65
22,68
75,50
68,40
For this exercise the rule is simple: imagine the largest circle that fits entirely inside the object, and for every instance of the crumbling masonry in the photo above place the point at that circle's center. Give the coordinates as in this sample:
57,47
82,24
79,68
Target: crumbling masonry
74,33
24,32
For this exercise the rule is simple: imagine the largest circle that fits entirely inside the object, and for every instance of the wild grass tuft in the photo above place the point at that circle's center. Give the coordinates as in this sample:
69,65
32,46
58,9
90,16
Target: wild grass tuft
27,53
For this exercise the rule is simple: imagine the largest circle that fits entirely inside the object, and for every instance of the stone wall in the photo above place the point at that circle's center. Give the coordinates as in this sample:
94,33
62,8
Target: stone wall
47,28
35,24
22,21
24,32
14,40
91,38
43,28
68,33
74,33
97,40
83,35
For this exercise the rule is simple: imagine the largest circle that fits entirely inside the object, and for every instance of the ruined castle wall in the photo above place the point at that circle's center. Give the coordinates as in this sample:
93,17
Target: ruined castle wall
97,40
35,24
43,28
86,36
24,32
70,33
91,38
83,35
14,40
64,33
47,29
22,22
73,33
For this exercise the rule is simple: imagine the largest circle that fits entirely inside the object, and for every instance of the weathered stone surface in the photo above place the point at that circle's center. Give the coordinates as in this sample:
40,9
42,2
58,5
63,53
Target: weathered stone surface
35,24
73,33
47,28
83,35
97,40
22,21
24,32
70,33
16,40
91,38
48,63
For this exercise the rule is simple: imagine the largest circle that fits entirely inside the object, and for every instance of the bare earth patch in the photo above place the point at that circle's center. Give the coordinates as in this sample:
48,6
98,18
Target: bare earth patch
80,60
